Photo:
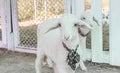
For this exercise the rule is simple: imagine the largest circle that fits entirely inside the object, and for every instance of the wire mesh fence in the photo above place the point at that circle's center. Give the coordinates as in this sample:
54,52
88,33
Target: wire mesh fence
32,12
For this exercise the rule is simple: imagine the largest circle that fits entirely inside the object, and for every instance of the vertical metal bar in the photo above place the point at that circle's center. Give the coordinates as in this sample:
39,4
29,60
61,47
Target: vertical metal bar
45,9
114,32
79,7
11,16
16,37
67,6
3,23
71,8
8,18
11,20
35,8
96,34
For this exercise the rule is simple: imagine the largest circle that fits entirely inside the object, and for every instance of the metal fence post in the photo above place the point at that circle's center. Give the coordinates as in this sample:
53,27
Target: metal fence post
114,32
67,6
11,15
8,19
96,34
3,23
78,9
16,38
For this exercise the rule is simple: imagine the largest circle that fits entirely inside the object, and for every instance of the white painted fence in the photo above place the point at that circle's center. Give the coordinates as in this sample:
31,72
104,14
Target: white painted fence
3,41
11,39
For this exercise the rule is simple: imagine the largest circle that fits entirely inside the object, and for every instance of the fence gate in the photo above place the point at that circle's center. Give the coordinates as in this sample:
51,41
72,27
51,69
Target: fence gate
101,52
23,17
3,42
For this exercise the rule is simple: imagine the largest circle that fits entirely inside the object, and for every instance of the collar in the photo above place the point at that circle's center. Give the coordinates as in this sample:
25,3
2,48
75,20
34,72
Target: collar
68,49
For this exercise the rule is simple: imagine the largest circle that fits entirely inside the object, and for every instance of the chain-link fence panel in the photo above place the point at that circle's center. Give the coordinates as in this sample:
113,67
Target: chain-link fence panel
49,9
32,12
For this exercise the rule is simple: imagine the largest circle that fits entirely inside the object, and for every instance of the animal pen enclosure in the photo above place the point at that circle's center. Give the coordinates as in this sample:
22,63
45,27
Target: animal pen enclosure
19,20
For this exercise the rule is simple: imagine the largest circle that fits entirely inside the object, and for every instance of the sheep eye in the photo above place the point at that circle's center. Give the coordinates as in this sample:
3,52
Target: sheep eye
75,24
59,25
83,18
106,17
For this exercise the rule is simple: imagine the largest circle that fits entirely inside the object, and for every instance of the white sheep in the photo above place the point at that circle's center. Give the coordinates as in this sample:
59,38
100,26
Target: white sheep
51,36
88,17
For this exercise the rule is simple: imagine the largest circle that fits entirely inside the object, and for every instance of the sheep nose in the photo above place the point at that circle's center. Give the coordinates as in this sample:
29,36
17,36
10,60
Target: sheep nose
67,38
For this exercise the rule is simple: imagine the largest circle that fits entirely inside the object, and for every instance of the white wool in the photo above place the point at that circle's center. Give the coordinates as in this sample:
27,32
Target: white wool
50,42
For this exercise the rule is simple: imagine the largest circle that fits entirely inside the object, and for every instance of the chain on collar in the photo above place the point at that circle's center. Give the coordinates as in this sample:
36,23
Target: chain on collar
73,57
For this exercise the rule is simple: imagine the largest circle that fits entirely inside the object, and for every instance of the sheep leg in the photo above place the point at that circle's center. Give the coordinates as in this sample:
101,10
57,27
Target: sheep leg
50,63
83,67
55,69
38,62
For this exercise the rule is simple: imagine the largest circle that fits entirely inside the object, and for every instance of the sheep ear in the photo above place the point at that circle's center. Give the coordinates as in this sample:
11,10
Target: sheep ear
94,19
82,23
55,27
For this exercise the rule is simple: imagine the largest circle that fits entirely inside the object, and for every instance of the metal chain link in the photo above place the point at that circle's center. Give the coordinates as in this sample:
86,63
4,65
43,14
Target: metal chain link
45,9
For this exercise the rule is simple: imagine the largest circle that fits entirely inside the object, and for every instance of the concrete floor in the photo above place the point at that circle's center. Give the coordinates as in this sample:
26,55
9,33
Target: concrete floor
13,62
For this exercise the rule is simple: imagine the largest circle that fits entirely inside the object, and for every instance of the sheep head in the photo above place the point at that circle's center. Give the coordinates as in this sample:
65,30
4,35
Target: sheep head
90,19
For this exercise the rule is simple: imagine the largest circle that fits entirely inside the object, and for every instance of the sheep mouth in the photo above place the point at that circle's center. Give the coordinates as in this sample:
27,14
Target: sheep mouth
81,33
67,48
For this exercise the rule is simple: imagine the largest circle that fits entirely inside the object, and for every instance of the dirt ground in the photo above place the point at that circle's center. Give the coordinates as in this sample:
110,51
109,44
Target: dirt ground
14,62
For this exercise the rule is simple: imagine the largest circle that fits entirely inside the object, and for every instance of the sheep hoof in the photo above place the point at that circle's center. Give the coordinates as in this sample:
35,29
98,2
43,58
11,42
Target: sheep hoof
84,69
